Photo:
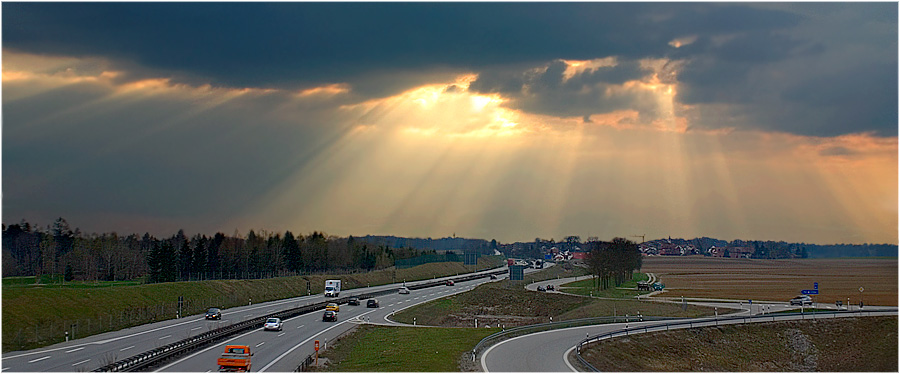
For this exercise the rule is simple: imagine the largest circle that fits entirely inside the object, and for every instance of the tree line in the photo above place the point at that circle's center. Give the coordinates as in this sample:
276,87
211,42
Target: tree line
29,250
612,263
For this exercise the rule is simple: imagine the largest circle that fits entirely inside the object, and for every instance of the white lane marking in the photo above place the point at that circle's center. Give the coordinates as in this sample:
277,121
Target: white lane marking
307,299
126,348
270,310
81,362
566,359
300,326
307,340
257,346
196,328
4,369
282,334
76,349
491,348
167,336
219,346
391,305
248,315
38,359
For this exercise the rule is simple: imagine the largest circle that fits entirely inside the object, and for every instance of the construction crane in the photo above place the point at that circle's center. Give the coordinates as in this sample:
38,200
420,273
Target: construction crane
640,236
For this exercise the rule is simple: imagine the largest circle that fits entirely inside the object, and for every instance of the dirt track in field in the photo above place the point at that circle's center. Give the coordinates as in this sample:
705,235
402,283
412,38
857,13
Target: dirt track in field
777,280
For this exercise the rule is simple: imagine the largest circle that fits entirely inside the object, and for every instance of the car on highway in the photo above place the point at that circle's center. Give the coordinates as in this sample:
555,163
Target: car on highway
273,324
213,313
450,282
404,291
334,307
329,316
372,303
802,300
493,277
541,289
353,301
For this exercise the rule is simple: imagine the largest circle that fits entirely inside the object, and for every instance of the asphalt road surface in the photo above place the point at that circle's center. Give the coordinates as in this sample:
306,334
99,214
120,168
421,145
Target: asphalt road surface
547,351
98,350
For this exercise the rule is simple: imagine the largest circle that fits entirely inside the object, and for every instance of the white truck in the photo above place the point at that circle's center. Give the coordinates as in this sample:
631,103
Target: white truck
332,288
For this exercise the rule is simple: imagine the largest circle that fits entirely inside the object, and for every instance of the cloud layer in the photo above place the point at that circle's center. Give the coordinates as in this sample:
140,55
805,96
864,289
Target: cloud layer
493,120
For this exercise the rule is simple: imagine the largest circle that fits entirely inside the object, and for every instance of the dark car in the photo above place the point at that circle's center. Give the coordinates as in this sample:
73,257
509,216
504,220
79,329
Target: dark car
450,282
329,316
213,313
541,288
372,303
353,301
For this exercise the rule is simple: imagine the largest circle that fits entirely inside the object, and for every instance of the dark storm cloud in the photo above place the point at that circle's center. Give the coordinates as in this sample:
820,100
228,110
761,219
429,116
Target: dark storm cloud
268,45
550,92
744,55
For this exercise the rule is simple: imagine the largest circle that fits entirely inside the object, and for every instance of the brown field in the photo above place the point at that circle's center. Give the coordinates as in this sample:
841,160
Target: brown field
777,280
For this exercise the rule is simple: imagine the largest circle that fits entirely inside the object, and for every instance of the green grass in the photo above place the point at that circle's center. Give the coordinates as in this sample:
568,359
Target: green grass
36,316
508,303
560,270
588,287
866,344
402,349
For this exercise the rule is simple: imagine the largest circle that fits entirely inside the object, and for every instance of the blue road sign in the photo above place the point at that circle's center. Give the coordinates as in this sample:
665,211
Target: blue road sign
815,285
810,292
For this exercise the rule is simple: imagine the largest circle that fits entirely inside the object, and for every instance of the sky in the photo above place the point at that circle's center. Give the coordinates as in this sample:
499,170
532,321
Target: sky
506,121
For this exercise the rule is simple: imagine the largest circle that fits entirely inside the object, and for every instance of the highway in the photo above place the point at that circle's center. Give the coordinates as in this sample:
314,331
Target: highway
547,351
95,351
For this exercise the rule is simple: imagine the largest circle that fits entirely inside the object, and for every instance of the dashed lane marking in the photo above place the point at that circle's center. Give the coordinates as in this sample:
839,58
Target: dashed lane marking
76,349
38,359
167,336
300,326
126,348
80,362
282,334
196,328
257,346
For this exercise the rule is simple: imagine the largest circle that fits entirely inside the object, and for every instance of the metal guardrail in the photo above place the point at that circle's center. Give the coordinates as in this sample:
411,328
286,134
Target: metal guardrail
699,323
162,354
522,330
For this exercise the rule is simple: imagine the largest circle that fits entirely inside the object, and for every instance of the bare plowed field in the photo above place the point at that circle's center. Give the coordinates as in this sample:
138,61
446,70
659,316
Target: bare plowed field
777,280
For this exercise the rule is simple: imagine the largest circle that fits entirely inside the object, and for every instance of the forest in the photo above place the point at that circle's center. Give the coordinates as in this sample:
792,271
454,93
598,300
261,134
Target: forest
29,250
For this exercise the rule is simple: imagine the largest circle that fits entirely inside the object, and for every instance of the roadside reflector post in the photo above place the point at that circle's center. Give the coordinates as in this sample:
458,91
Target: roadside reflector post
67,336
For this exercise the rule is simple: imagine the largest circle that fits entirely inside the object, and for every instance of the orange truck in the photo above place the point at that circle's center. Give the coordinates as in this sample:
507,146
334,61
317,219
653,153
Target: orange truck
235,358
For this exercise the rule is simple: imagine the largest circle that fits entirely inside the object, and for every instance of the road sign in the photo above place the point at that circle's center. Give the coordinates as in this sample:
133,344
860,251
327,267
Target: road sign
860,289
810,292
815,285
317,345
517,272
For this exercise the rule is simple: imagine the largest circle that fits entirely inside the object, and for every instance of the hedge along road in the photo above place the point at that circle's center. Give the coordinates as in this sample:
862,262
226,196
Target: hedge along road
98,350
548,351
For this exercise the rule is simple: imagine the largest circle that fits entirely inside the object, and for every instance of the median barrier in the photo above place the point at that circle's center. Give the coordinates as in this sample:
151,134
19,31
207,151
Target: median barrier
143,361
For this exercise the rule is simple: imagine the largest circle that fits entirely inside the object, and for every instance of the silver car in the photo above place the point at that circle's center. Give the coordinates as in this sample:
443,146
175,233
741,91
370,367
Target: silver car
273,324
404,290
802,300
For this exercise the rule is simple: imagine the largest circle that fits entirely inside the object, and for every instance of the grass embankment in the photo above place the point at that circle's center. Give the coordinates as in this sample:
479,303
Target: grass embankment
588,287
845,344
36,316
509,304
402,349
560,270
